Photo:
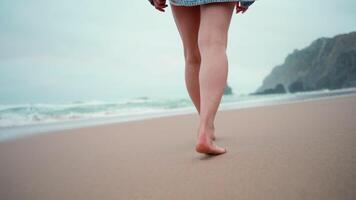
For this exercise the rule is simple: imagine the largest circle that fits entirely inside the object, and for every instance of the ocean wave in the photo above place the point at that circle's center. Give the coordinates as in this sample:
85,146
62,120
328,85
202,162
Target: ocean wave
33,114
29,114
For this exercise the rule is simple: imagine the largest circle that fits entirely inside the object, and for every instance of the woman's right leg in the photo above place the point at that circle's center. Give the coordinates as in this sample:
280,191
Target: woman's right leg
212,42
187,19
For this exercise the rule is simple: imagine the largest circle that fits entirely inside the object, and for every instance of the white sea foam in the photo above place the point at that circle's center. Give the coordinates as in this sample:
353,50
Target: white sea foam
37,114
31,114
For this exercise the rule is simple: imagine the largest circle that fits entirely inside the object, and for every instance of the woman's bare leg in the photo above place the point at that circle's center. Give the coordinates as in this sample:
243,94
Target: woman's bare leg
212,42
187,20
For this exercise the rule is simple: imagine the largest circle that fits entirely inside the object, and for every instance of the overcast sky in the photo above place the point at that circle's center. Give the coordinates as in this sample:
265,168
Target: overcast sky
71,50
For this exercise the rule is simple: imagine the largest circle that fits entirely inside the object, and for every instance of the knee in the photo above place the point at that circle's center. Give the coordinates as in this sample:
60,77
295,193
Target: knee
192,57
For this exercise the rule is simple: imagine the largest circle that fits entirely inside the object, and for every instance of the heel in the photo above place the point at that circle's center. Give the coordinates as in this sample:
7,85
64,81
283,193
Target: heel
201,148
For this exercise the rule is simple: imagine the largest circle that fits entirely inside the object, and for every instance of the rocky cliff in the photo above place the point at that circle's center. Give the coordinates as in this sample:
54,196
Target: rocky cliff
227,90
327,63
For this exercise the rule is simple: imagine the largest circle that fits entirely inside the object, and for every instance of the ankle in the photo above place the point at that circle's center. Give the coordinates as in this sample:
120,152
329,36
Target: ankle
206,127
206,132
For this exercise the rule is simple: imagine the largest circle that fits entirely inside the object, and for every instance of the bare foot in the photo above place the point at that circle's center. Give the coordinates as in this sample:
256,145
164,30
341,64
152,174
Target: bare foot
206,145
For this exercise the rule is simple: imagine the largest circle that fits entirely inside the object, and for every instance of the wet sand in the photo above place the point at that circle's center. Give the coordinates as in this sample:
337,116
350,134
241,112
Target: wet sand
302,150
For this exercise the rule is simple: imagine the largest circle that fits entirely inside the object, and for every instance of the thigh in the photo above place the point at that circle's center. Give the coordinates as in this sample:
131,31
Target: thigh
215,20
187,19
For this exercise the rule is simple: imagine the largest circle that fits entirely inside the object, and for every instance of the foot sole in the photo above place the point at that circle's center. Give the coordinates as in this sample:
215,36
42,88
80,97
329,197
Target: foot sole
206,149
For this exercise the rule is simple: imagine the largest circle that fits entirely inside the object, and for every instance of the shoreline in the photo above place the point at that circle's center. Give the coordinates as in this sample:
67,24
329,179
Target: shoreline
13,133
303,150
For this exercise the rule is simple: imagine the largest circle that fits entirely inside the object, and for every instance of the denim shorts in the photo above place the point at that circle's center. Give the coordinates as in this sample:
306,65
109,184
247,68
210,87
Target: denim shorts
245,3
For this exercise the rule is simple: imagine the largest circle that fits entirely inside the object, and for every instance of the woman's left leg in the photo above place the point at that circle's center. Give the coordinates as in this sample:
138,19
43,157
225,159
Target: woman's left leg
187,20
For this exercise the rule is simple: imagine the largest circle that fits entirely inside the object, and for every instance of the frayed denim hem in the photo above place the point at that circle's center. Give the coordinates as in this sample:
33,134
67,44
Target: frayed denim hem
201,2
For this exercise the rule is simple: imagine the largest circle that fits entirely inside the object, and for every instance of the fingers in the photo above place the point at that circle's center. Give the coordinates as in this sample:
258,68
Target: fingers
160,5
240,8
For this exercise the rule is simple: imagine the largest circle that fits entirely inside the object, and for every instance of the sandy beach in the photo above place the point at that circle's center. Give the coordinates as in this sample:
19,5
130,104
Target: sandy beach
302,150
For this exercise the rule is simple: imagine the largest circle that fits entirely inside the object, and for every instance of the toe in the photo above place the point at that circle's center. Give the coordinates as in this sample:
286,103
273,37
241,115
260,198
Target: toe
215,150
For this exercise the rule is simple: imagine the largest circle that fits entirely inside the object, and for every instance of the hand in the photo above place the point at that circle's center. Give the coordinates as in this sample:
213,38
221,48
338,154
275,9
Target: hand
240,8
160,5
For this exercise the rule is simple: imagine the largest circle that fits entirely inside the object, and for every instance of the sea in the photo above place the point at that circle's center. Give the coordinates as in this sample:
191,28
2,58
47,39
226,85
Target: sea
19,120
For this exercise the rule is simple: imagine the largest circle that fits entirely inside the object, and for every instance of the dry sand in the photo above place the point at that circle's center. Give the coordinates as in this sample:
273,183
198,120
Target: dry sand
303,150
